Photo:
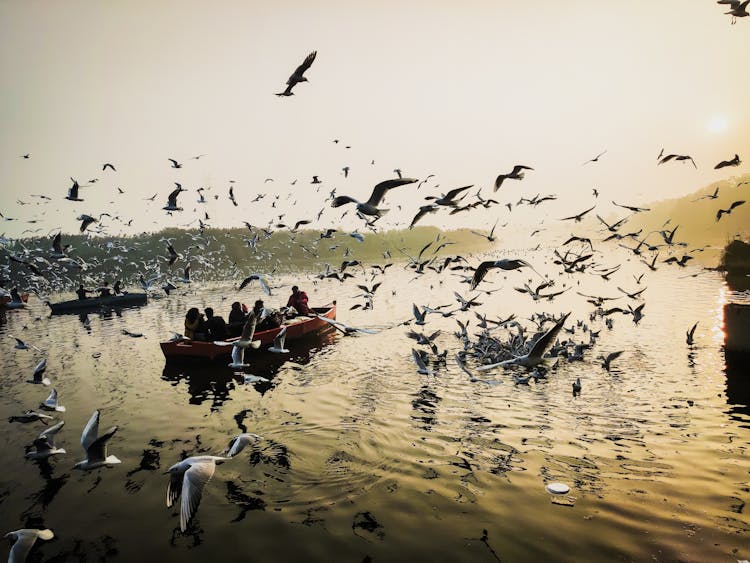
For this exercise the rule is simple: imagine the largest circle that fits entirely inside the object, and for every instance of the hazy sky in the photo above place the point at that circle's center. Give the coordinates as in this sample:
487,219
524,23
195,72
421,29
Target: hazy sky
462,90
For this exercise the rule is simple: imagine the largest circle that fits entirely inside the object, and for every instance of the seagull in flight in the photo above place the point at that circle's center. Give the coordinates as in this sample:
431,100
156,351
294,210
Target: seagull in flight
676,157
515,174
278,342
734,205
187,479
595,159
172,200
73,192
370,207
577,218
733,162
95,446
175,164
263,283
298,75
504,264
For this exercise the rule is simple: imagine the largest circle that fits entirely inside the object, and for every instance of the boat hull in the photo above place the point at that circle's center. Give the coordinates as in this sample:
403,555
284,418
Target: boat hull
191,349
95,303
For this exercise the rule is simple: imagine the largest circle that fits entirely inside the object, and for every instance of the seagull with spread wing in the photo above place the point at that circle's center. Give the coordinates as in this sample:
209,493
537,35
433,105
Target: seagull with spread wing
298,75
370,207
172,200
515,174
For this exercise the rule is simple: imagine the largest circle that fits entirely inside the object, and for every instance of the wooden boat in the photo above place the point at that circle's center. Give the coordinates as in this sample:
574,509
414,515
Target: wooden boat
300,327
94,303
6,302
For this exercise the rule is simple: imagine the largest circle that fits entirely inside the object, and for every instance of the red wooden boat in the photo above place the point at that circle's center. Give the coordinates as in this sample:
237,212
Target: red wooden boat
297,328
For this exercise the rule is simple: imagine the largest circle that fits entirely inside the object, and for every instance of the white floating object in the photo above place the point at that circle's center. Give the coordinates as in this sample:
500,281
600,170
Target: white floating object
557,488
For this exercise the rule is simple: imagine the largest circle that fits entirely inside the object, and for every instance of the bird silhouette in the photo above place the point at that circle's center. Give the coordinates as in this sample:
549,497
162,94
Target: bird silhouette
297,75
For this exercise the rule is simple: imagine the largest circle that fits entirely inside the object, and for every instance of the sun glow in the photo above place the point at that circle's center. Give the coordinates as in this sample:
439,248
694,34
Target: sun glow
717,124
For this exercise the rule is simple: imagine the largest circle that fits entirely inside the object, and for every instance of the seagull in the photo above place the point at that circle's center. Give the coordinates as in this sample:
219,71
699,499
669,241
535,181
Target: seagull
21,345
30,416
50,403
595,159
515,174
108,165
39,370
607,360
172,200
733,162
95,446
689,335
448,199
185,276
245,341
577,218
297,75
239,443
490,237
734,205
370,206
534,356
73,192
504,264
418,315
738,10
423,210
420,361
577,387
172,253
23,542
263,283
187,479
45,443
345,329
677,157
278,342
632,208
85,220
175,164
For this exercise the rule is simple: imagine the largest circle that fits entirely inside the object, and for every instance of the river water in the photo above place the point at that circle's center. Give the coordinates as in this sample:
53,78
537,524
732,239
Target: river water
363,459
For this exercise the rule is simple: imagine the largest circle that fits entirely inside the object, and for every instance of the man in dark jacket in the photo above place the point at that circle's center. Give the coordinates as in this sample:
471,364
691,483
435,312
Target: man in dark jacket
215,326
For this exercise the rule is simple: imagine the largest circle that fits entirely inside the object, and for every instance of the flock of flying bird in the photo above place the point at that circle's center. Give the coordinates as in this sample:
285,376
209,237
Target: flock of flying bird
56,269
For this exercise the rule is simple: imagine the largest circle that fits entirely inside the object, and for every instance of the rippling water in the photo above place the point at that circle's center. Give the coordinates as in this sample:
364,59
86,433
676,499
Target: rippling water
362,457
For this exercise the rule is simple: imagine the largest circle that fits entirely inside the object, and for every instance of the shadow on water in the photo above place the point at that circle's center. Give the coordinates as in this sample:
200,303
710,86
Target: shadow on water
215,380
738,384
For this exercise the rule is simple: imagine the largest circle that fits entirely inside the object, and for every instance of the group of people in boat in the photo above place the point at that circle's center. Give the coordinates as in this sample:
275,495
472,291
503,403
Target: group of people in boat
211,327
103,291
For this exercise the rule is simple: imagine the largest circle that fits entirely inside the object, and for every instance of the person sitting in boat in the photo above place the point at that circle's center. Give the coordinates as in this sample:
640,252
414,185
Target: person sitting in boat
82,291
15,297
194,324
118,288
216,327
236,319
267,318
104,290
298,299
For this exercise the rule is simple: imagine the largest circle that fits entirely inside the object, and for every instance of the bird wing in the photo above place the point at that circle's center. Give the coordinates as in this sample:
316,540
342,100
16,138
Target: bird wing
50,433
418,360
24,540
737,204
90,431
518,167
499,181
548,338
338,201
97,451
297,74
480,272
379,190
453,193
280,338
248,279
174,488
56,243
193,482
172,198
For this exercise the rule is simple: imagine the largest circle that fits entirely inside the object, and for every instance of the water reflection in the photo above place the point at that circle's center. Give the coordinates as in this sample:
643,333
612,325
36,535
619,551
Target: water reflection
215,381
738,385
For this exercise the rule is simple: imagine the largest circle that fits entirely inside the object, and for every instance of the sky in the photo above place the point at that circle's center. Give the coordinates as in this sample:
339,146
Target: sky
460,90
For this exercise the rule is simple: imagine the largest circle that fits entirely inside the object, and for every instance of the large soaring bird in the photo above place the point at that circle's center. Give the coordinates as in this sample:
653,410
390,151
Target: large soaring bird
298,75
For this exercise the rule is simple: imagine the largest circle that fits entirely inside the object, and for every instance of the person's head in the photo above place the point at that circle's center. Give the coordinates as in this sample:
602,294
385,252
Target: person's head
209,312
295,289
105,284
192,314
80,286
236,306
258,305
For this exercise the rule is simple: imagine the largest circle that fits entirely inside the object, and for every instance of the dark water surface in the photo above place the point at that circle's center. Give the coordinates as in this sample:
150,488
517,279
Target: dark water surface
363,457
